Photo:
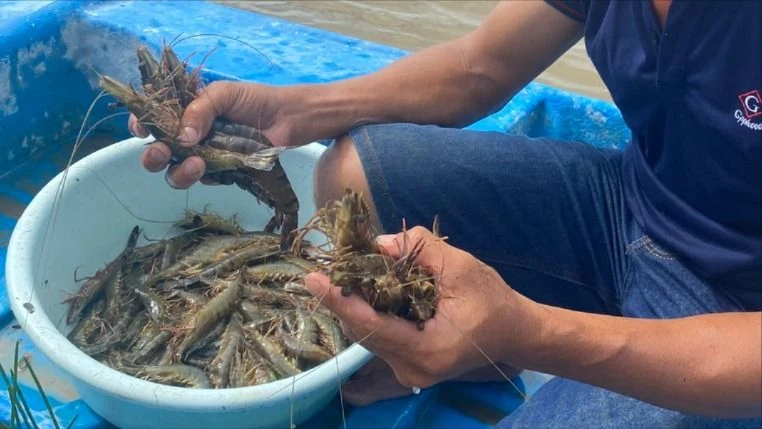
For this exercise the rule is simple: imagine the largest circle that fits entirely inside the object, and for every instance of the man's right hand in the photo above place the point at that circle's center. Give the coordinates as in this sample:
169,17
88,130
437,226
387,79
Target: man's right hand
239,102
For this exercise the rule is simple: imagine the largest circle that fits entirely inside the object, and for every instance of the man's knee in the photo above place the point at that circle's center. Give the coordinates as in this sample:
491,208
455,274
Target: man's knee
340,168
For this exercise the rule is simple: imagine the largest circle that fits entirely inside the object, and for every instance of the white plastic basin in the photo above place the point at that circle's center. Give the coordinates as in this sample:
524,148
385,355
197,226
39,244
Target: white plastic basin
88,228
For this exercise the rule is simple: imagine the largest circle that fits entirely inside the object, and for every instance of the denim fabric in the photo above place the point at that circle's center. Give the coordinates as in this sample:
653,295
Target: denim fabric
551,218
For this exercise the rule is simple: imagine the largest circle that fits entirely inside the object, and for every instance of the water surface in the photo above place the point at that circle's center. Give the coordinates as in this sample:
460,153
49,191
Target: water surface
414,25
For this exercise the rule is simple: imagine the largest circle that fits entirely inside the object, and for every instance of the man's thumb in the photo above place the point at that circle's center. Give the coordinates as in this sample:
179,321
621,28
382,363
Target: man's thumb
318,284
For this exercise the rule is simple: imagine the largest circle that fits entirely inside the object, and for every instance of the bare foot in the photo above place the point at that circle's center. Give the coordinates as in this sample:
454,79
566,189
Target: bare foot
376,382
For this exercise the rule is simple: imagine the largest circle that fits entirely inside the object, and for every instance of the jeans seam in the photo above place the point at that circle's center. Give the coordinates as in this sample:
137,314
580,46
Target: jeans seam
637,244
630,251
627,280
649,246
656,251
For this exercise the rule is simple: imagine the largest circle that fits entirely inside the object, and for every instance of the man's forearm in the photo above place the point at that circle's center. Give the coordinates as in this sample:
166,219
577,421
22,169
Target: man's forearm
709,364
450,84
434,86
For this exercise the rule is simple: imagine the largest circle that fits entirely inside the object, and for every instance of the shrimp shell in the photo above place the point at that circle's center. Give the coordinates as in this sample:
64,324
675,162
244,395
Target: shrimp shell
177,374
219,368
216,309
272,352
205,221
232,262
331,335
97,283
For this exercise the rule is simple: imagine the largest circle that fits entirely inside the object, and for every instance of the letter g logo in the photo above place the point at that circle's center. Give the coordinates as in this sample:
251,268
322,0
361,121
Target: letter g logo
751,103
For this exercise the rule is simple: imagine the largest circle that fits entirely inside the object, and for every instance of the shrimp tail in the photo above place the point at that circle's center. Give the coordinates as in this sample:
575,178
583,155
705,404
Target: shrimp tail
264,159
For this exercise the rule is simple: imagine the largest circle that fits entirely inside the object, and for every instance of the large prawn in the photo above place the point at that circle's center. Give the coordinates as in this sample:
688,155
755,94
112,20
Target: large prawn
242,152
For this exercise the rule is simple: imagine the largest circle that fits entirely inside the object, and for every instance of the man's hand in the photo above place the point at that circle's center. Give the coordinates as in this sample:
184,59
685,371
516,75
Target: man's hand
477,316
707,364
239,102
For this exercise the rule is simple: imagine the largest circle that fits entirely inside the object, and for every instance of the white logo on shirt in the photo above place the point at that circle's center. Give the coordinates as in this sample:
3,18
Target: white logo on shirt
751,107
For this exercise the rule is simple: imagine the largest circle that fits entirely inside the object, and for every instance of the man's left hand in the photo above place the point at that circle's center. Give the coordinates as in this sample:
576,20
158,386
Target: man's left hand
478,316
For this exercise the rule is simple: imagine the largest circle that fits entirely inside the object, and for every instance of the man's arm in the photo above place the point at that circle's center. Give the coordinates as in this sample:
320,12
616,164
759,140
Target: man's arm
451,84
708,364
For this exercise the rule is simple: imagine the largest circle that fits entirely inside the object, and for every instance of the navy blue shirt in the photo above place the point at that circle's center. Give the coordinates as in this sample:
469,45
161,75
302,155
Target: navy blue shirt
692,96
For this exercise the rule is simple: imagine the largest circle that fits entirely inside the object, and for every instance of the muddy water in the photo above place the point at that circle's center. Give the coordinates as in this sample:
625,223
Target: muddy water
414,25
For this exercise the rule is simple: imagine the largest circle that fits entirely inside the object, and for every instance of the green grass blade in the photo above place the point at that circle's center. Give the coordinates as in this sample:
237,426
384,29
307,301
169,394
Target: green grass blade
42,392
26,412
11,396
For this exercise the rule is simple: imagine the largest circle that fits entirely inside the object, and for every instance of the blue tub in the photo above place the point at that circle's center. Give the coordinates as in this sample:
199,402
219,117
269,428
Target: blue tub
49,55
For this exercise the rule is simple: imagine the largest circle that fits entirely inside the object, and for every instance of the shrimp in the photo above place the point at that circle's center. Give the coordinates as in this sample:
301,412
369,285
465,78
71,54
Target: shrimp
220,366
217,308
243,152
97,283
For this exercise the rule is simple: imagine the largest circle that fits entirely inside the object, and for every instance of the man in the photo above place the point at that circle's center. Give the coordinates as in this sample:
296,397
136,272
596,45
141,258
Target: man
634,277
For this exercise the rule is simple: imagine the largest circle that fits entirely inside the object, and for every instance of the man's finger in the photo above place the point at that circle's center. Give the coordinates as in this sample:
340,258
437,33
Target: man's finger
197,119
432,252
350,308
135,128
186,174
357,316
156,157
379,332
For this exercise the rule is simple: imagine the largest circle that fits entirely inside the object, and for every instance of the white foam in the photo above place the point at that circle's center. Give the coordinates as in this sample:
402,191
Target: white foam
33,58
96,50
595,115
8,104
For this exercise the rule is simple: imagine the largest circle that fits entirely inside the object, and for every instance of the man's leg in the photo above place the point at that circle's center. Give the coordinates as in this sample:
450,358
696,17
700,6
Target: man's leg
544,214
568,404
656,286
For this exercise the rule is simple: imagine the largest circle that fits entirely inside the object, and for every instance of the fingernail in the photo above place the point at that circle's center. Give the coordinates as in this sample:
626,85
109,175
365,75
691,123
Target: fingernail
157,156
385,240
188,136
170,182
310,283
313,284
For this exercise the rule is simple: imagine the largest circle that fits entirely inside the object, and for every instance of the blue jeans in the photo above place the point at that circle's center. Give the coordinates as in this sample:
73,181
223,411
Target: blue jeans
550,217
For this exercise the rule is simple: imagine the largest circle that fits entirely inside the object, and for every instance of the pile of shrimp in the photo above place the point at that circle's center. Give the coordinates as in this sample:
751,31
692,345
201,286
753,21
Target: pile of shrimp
357,263
215,306
221,307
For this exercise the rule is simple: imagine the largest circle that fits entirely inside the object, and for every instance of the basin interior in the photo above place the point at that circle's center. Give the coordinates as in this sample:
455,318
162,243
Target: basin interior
84,223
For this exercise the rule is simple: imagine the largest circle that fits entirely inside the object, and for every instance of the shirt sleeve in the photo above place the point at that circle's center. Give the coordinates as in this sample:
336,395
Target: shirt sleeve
574,9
